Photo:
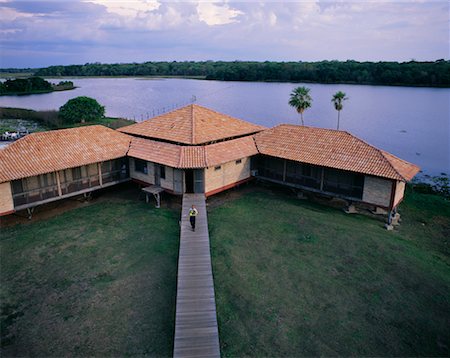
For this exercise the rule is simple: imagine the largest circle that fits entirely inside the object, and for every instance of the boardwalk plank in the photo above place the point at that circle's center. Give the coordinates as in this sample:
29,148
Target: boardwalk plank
196,331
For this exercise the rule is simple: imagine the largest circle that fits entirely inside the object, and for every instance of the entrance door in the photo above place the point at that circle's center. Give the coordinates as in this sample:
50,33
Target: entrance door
189,180
199,181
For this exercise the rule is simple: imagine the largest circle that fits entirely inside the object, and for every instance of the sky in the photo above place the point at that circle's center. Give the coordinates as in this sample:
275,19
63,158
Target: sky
61,32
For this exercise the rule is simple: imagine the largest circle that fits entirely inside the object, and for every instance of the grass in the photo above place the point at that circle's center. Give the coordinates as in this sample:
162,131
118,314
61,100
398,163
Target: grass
294,278
99,280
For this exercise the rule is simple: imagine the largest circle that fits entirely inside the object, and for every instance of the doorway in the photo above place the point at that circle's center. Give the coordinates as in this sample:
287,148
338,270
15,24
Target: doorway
195,180
189,180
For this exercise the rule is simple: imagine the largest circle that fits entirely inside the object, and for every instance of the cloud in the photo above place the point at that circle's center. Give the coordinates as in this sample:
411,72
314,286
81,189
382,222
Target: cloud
45,32
214,14
130,8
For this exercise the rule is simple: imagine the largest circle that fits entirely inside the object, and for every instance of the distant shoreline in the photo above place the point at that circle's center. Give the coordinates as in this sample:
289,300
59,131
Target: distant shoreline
408,74
203,78
35,92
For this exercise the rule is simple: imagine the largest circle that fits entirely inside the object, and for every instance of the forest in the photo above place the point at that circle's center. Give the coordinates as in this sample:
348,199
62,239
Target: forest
412,73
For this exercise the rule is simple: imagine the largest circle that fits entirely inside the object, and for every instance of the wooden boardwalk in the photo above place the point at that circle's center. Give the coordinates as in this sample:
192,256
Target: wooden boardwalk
196,332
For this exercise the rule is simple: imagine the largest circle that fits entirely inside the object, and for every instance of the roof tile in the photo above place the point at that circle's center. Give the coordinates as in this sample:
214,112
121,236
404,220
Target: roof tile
185,157
45,152
192,124
332,148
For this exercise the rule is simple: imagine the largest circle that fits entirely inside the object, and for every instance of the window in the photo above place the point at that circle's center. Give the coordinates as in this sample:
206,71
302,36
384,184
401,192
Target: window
217,168
106,167
239,161
163,172
140,166
17,186
342,182
76,173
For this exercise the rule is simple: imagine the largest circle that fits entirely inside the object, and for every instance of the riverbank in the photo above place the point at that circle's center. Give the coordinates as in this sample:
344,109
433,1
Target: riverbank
205,78
27,120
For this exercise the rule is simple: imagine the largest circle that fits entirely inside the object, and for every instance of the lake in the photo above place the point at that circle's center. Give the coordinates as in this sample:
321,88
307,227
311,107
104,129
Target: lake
410,122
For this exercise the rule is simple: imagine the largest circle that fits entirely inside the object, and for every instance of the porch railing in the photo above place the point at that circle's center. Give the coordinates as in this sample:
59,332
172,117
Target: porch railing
31,196
80,184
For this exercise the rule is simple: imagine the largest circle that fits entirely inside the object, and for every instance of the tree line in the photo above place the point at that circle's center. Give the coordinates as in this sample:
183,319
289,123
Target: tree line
410,73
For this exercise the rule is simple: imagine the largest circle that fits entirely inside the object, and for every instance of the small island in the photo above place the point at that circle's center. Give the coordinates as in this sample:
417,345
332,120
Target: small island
32,85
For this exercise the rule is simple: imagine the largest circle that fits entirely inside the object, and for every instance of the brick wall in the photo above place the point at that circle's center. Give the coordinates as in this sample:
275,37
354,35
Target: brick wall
229,173
399,192
377,191
6,200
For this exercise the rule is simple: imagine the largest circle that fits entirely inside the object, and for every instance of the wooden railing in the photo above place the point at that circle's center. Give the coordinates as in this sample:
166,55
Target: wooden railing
31,196
80,184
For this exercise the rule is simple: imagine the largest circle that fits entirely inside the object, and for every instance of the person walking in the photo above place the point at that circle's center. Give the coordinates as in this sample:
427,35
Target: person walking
193,212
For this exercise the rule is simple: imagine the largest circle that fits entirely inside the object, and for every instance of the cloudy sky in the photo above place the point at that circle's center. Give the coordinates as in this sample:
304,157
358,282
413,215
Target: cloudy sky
42,33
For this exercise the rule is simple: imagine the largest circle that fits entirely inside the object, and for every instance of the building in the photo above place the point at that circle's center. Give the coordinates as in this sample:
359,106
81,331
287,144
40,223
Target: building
195,149
333,163
48,166
192,150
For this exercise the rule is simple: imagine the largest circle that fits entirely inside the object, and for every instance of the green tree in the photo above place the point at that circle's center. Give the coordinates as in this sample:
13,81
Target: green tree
338,99
81,109
300,100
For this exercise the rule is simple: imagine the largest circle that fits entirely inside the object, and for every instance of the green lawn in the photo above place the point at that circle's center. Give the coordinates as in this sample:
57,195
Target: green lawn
294,278
95,281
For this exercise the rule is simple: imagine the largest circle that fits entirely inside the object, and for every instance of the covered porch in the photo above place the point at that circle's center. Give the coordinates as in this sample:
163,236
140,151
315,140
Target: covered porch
44,188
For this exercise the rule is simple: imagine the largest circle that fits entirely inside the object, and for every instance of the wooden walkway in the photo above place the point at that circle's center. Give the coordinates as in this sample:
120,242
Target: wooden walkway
196,332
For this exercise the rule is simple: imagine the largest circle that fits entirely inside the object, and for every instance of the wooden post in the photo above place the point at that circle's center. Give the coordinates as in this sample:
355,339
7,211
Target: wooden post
158,200
58,182
284,170
100,179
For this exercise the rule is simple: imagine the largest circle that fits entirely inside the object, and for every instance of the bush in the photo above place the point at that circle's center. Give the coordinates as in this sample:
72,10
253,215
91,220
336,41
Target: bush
81,109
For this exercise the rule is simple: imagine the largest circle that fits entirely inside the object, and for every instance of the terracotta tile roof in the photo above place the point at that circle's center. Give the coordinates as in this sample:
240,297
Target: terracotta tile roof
224,152
154,151
193,157
332,148
185,157
404,168
192,124
46,152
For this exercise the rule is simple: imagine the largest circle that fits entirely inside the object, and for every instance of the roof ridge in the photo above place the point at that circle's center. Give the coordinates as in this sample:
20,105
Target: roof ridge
380,152
205,152
311,127
383,153
256,143
193,125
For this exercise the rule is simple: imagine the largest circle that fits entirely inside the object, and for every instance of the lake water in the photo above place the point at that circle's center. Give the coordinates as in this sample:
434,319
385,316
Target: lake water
412,123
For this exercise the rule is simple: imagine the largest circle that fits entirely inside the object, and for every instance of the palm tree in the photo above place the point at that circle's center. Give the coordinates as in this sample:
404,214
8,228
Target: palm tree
300,100
338,99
